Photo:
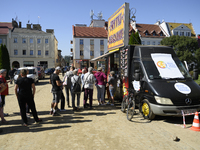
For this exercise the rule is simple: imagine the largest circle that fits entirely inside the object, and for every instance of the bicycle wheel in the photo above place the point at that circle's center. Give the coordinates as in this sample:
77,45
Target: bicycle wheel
124,103
130,110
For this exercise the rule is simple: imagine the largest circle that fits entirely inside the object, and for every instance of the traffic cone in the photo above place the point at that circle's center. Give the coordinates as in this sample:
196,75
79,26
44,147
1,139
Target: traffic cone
196,125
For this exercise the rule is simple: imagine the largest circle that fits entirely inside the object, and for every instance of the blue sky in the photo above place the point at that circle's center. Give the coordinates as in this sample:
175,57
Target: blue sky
60,15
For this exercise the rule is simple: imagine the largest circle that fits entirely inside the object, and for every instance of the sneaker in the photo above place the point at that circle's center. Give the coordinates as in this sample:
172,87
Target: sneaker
51,112
103,104
99,104
6,114
112,105
63,110
38,121
25,124
108,103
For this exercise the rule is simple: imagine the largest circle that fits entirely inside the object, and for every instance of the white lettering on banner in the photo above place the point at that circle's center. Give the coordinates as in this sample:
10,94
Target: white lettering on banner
182,88
166,66
136,85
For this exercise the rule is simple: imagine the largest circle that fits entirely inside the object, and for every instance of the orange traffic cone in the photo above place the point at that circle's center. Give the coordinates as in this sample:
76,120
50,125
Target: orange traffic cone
196,125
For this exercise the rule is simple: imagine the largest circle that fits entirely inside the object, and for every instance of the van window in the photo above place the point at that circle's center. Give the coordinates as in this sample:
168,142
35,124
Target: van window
136,66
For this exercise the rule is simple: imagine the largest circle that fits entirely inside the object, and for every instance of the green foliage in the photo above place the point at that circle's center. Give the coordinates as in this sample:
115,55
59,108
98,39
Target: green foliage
134,39
185,47
4,58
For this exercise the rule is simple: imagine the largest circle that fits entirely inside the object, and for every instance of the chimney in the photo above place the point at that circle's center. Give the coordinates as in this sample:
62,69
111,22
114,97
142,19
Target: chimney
28,26
20,24
50,31
158,22
36,27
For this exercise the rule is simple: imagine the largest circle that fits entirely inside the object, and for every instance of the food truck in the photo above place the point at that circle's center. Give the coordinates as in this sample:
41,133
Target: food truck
163,84
161,81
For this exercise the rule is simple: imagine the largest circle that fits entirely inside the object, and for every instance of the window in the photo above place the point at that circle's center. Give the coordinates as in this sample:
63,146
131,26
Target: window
101,52
154,43
15,52
181,33
148,43
0,41
81,41
187,33
81,53
143,42
146,33
31,52
161,34
46,41
23,40
39,52
15,40
24,52
91,53
101,42
158,43
176,33
46,53
154,33
38,41
31,40
91,42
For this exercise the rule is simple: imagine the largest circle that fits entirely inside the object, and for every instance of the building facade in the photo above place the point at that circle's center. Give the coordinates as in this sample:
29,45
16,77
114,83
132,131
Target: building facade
88,43
31,46
4,30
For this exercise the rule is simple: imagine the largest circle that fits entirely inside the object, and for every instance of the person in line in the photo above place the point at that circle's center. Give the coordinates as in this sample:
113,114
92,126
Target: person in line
11,74
100,79
112,86
3,73
25,96
2,88
62,104
89,81
76,79
56,90
67,84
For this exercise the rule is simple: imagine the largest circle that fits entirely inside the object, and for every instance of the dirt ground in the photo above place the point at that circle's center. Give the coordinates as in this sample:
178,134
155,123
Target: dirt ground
105,127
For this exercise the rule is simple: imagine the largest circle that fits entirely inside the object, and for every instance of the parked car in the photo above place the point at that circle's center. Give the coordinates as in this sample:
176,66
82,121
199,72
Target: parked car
41,73
49,71
32,73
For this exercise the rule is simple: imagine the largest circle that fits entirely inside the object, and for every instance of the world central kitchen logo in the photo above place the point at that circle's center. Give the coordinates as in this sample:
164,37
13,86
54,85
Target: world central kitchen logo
163,65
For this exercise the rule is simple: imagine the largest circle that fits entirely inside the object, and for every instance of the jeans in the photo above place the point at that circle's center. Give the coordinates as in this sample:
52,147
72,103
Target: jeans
22,104
62,104
86,93
100,93
78,99
67,94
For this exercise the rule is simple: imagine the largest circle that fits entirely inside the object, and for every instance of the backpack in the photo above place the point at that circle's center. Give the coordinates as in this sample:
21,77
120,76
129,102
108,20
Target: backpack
77,87
67,81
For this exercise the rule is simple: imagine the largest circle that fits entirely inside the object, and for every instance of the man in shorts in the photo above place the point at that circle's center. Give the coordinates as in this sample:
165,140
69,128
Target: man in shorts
56,90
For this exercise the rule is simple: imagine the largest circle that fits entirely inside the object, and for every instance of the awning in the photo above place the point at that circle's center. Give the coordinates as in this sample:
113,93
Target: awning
106,54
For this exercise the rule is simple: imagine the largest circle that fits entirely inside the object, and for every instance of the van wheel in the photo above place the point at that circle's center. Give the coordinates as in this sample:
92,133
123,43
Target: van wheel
146,111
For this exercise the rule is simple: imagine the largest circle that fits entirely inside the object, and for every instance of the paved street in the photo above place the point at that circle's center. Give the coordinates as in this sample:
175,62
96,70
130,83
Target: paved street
105,127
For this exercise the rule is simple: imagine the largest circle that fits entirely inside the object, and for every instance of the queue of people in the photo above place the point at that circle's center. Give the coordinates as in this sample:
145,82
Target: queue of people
73,84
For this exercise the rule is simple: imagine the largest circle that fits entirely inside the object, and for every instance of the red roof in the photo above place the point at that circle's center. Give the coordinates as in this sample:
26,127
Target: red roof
143,28
4,26
88,32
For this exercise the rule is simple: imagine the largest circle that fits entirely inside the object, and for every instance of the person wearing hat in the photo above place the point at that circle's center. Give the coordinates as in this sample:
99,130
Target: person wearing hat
100,79
56,90
3,73
88,80
112,86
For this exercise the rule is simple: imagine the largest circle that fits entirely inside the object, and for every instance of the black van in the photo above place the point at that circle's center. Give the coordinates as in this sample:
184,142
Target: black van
164,86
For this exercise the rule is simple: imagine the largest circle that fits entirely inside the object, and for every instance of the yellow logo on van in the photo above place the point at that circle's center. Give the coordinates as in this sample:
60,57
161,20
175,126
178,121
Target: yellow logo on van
161,64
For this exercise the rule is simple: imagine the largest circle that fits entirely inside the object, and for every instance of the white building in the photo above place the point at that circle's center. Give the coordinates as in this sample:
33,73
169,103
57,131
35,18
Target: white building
31,46
88,43
149,34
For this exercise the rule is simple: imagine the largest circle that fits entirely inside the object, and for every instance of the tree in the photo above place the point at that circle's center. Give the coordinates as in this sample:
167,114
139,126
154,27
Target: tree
185,47
134,38
4,58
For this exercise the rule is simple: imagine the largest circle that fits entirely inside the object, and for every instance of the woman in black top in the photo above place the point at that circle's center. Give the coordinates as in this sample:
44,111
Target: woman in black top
26,95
